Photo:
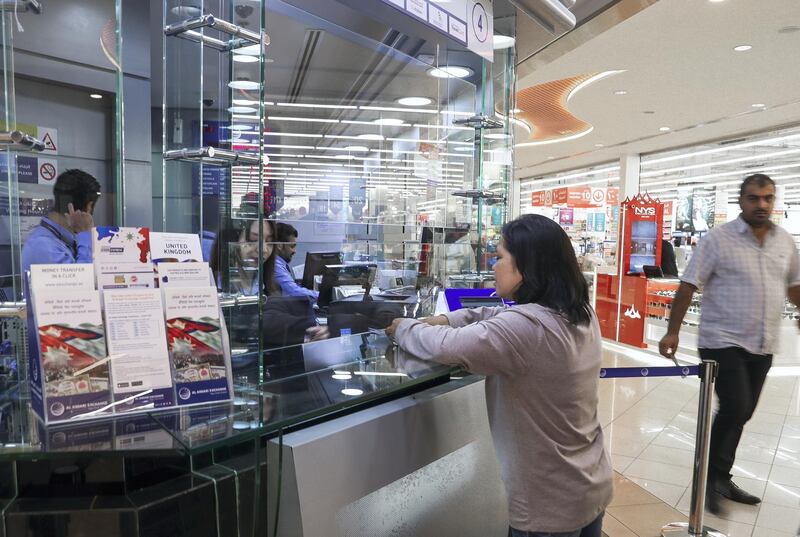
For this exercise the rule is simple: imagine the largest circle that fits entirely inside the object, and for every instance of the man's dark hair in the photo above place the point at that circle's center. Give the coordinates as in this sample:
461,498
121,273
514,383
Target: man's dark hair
285,232
759,179
76,187
550,274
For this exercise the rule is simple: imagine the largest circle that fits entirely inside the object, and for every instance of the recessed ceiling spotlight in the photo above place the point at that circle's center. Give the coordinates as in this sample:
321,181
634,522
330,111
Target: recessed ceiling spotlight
500,42
716,1
497,136
355,148
620,92
243,85
370,136
599,145
550,158
742,48
243,58
663,129
759,105
414,101
450,71
342,376
388,121
95,96
245,102
352,391
242,110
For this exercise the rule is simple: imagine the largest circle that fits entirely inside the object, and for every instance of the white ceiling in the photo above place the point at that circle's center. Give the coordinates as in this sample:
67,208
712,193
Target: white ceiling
679,62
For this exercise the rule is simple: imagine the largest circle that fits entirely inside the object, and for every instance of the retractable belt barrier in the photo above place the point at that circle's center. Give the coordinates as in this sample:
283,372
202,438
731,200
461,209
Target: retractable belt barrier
707,371
629,372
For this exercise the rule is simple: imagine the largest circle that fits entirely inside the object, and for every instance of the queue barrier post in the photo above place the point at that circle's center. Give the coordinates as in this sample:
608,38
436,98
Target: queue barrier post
695,526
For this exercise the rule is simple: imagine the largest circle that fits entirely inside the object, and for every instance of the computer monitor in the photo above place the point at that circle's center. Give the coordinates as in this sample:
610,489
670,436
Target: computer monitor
315,265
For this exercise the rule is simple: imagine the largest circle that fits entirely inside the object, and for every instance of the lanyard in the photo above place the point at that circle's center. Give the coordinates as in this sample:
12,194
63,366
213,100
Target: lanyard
71,244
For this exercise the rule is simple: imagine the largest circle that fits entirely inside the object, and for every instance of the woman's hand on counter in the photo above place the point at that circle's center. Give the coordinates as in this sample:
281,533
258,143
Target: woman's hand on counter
391,330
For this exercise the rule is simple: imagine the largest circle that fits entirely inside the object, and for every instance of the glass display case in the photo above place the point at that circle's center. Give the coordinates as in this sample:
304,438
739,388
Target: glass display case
337,181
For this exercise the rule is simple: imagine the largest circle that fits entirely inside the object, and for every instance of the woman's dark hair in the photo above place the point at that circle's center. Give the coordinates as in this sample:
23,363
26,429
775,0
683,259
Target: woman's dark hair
223,257
76,187
550,275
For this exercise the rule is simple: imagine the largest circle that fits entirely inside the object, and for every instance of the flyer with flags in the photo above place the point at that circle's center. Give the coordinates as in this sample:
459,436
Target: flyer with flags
72,352
196,344
121,257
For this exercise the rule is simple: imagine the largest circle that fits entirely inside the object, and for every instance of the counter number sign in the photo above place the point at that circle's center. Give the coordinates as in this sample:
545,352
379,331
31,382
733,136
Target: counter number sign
480,25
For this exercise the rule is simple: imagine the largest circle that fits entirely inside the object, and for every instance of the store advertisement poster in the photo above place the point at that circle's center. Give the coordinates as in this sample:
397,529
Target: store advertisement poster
184,275
195,340
566,217
137,347
589,221
599,222
175,247
703,203
72,277
73,367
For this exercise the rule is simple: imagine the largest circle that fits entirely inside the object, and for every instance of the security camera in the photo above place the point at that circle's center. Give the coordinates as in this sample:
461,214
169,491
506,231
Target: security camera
244,11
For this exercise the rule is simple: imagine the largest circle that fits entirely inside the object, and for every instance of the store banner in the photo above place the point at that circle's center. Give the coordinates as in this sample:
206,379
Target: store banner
539,198
560,196
578,197
612,196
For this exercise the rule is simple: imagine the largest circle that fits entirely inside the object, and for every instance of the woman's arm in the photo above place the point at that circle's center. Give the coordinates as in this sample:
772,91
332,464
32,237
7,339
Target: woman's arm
495,346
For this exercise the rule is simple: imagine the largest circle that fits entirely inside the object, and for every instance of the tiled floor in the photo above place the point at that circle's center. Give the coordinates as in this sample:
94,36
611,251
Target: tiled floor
650,425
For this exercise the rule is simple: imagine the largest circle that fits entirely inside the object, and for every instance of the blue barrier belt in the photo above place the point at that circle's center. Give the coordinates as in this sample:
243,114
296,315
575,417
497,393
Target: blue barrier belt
629,372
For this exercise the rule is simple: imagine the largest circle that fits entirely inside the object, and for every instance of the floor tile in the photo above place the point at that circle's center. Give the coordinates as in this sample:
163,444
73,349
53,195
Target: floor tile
669,494
778,517
755,454
661,472
785,476
758,531
668,455
626,492
728,527
675,439
750,469
620,462
782,495
646,520
614,528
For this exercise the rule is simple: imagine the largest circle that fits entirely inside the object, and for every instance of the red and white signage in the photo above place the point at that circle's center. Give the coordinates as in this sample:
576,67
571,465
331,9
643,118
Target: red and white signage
578,197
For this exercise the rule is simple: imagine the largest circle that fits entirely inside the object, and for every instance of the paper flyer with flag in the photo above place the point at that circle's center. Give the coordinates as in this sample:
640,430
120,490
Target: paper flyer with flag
195,340
72,353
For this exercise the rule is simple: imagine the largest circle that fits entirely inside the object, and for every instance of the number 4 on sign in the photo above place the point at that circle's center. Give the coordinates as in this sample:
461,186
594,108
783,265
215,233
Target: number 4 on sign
480,23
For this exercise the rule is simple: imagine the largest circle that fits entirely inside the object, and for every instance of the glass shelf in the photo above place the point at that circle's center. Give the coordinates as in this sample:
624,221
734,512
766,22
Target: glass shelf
306,383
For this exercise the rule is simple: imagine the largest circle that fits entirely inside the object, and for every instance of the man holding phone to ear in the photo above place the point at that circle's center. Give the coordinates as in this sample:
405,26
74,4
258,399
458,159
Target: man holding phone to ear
64,235
746,269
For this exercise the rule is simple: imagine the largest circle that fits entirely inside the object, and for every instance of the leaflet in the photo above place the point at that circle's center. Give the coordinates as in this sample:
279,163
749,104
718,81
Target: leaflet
124,276
112,244
184,275
175,248
137,345
72,354
73,277
195,340
122,257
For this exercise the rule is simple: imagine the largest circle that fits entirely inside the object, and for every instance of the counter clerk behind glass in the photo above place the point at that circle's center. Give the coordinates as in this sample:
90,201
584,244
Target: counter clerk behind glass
541,359
286,248
65,234
746,269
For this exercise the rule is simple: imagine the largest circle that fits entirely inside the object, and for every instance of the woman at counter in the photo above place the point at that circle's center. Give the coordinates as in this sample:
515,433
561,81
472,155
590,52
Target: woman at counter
542,362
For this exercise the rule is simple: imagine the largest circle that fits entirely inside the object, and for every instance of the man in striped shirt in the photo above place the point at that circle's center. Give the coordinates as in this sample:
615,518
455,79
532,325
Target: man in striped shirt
746,268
